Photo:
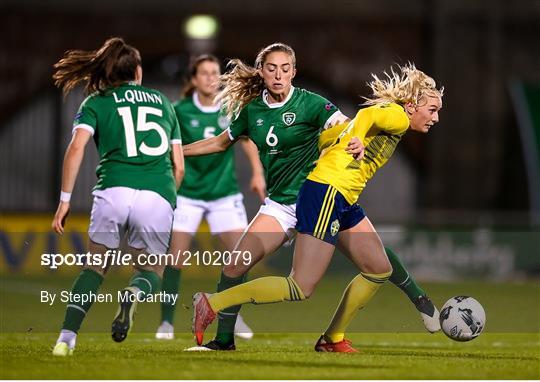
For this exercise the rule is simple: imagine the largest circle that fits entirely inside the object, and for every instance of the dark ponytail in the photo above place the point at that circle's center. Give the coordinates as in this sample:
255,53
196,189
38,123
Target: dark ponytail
109,66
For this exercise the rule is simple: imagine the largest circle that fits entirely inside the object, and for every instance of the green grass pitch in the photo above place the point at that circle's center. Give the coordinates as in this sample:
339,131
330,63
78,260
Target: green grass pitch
388,332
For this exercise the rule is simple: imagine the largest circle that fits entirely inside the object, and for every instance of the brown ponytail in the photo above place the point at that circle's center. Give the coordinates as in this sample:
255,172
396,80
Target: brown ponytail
111,65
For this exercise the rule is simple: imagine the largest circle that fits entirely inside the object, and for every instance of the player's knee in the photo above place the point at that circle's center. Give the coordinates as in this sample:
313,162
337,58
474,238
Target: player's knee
299,291
386,268
308,292
381,266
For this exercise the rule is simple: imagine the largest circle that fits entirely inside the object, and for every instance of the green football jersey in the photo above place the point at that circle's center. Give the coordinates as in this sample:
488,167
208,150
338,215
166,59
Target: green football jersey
207,177
286,134
133,128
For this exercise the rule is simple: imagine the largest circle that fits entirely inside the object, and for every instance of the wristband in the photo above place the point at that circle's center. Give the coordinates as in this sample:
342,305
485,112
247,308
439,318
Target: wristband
65,196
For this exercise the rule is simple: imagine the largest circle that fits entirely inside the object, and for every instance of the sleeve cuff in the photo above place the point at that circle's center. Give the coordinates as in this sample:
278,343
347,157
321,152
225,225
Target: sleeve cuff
334,119
230,134
176,141
83,126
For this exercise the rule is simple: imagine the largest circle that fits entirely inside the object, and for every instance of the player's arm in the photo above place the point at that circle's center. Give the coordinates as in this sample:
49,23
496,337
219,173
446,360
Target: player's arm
257,183
72,163
177,159
335,119
211,145
356,148
221,142
330,135
392,120
177,156
334,125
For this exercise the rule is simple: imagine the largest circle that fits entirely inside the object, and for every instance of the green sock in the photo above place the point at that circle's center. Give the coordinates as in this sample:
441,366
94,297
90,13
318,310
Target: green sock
170,285
87,283
146,281
227,317
401,277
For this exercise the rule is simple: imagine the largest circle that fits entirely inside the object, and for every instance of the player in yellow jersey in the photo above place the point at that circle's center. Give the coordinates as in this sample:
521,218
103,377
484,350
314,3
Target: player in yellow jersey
326,207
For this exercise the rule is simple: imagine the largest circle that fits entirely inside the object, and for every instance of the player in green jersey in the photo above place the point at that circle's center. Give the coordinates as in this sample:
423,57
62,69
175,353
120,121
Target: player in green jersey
141,166
285,123
210,188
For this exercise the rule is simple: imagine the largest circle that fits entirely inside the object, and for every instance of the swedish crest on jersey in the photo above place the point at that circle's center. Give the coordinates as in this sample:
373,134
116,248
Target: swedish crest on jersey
334,228
289,118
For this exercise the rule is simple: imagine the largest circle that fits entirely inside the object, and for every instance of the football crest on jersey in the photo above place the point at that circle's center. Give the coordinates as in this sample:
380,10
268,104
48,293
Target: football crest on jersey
223,122
194,123
289,118
334,228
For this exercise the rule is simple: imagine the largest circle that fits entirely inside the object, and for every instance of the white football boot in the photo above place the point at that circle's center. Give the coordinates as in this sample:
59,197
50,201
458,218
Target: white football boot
242,330
165,331
428,313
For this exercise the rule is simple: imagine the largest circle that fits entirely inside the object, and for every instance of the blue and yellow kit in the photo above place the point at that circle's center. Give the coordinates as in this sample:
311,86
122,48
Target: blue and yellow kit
327,201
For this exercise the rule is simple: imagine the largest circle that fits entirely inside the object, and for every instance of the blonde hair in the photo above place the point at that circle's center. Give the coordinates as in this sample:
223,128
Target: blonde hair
242,83
404,85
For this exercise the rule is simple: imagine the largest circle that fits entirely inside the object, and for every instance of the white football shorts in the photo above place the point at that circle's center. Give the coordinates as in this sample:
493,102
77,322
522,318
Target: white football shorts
145,216
223,215
285,214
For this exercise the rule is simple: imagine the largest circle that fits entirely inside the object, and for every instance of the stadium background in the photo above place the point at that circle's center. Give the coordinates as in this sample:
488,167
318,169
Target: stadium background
461,205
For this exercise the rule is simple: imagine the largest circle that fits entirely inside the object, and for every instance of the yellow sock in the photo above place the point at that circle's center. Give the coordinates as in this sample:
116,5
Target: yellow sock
357,294
263,290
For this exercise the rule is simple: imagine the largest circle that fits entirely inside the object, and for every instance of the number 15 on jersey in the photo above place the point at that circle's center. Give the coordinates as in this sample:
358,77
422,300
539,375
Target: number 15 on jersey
143,125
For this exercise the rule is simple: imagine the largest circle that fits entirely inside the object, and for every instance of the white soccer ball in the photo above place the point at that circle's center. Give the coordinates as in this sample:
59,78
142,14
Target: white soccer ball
462,318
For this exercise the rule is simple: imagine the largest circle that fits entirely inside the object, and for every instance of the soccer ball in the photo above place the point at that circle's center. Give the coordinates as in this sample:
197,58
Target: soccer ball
462,318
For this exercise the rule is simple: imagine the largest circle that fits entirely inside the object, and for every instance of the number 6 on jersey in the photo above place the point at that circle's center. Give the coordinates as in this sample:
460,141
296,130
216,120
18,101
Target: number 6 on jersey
271,138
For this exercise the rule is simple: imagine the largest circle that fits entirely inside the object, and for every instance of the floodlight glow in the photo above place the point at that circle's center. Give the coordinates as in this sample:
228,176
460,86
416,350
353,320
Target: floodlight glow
201,26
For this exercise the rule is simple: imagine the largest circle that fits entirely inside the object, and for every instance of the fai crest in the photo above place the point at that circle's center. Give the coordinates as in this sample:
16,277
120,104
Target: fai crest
334,228
289,118
223,122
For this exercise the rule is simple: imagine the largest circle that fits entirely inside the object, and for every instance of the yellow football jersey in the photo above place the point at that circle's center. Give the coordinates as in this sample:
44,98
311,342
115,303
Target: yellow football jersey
380,128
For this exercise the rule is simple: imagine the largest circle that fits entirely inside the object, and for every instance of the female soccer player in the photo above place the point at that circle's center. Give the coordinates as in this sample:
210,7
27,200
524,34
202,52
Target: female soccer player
141,166
326,208
209,188
284,122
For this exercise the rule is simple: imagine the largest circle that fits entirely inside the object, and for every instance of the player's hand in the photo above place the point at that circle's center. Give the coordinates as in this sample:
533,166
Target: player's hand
60,217
355,148
258,186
